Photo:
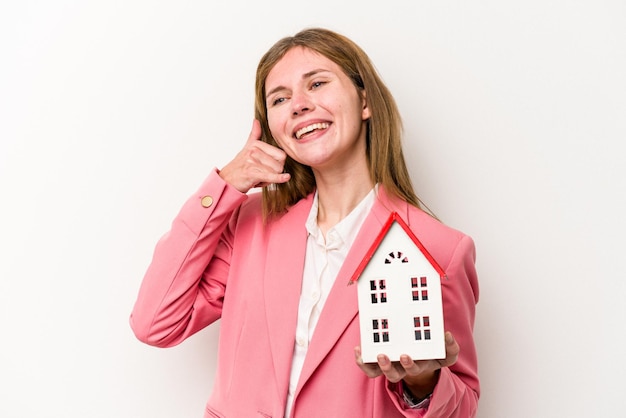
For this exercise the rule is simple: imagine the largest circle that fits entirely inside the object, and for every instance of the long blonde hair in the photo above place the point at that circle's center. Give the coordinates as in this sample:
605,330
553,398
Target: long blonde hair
384,127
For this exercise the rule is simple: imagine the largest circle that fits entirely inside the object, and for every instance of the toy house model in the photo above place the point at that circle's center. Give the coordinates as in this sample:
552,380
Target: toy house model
399,297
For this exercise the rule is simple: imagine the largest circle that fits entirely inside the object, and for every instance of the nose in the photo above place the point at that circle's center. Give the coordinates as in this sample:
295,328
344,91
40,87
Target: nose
301,103
296,112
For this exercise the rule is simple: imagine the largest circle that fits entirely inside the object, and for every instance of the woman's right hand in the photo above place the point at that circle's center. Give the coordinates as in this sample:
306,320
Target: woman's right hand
258,164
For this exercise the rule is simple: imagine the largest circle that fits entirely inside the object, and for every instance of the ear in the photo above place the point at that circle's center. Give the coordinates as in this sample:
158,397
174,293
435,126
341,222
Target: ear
365,112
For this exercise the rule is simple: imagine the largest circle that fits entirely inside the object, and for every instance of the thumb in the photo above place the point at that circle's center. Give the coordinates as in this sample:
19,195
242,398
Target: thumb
255,132
452,350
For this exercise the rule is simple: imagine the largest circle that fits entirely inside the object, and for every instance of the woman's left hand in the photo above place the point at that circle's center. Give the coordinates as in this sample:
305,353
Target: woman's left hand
420,376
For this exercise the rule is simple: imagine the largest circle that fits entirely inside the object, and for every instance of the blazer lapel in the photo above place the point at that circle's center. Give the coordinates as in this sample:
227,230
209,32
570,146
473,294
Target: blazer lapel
341,306
282,284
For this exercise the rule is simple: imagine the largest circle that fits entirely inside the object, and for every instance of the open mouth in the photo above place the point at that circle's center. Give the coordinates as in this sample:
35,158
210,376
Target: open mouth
311,128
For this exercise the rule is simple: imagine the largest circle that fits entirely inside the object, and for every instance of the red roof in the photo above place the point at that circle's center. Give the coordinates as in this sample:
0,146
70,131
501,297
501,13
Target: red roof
394,217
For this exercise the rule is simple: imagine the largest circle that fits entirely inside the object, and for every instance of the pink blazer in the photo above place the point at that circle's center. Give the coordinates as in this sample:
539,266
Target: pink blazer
221,262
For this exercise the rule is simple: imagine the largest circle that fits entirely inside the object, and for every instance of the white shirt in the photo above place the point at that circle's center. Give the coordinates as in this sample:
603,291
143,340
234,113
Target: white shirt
323,259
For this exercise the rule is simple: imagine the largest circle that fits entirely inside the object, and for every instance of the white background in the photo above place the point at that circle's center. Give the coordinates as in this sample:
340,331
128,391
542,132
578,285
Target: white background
112,113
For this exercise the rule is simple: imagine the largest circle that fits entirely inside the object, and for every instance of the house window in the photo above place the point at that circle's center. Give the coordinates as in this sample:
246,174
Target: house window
422,327
422,284
380,323
377,289
395,256
380,329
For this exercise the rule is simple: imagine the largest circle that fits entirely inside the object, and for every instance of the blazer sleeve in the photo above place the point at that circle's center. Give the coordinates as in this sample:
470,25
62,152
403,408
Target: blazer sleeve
458,389
183,288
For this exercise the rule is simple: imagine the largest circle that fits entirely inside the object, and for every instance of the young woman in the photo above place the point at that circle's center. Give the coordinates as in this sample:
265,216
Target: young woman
325,147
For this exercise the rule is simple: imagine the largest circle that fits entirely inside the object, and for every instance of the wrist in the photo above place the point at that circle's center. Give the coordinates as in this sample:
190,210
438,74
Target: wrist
422,386
413,402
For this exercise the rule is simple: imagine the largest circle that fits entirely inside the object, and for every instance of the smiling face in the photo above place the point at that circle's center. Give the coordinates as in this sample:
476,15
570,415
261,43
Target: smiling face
314,111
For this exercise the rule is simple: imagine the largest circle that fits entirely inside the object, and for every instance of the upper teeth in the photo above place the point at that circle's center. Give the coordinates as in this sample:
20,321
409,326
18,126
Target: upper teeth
310,128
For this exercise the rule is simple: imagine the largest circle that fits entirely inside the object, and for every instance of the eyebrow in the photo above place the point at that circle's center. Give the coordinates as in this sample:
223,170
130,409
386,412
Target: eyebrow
304,77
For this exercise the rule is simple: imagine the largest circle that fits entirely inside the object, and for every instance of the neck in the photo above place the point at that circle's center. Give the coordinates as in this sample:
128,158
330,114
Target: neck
341,186
338,197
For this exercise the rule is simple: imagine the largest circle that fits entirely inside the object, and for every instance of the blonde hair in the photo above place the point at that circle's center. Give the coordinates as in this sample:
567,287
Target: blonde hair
384,127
